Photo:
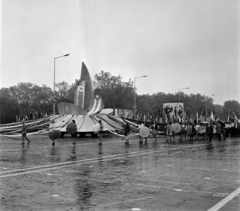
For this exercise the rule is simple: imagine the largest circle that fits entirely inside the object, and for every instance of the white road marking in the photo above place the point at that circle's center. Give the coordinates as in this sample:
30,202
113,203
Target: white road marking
207,178
178,190
220,204
220,194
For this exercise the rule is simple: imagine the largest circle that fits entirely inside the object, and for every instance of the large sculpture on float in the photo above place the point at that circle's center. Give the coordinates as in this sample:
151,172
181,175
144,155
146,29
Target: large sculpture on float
86,110
84,96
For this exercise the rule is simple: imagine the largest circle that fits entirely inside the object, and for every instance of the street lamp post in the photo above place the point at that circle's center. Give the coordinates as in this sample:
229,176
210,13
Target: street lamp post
206,104
135,106
54,82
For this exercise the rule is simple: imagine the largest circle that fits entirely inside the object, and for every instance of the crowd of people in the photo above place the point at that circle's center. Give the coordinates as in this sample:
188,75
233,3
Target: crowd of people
32,116
184,131
202,130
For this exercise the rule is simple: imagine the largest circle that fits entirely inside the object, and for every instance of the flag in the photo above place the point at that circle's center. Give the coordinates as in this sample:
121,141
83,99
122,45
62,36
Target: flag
80,94
197,116
228,118
201,117
235,116
144,118
212,116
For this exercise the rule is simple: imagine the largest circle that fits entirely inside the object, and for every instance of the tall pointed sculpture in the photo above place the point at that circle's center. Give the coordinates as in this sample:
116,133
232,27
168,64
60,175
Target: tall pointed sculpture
84,100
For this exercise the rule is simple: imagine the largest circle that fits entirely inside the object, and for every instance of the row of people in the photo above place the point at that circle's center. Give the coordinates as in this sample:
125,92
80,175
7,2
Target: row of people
199,130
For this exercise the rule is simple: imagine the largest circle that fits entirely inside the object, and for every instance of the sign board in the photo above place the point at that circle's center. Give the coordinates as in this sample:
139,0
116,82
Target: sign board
173,111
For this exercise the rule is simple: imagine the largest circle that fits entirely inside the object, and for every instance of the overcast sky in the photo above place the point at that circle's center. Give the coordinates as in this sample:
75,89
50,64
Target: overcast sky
176,43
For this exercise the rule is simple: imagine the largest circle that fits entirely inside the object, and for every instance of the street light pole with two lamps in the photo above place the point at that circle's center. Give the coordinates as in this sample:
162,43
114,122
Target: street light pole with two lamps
54,82
135,106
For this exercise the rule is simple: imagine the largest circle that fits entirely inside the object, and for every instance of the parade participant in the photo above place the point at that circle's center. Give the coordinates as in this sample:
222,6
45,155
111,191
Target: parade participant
24,132
224,132
100,132
214,130
169,132
209,131
154,130
75,134
140,137
219,131
75,126
52,128
193,133
126,132
197,128
188,130
145,125
182,132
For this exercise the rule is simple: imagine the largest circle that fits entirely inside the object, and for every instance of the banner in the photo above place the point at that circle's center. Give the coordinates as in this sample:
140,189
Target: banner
173,111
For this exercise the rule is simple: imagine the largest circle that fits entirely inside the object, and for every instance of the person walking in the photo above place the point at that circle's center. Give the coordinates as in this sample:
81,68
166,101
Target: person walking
154,131
169,132
100,132
52,128
126,132
146,126
141,125
74,135
209,131
24,133
219,131
224,132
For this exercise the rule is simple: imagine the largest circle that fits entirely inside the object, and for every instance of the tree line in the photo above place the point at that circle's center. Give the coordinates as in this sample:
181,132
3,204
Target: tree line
25,98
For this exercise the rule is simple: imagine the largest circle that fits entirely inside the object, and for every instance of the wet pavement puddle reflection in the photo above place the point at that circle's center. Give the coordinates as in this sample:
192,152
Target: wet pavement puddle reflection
118,177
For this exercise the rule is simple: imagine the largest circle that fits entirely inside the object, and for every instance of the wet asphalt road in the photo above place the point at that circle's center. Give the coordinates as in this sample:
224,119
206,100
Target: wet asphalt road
114,176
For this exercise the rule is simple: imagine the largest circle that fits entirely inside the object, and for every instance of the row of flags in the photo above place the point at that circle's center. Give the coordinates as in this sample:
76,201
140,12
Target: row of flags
199,116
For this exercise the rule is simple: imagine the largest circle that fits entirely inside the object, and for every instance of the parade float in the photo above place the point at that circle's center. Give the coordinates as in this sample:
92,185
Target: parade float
86,111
